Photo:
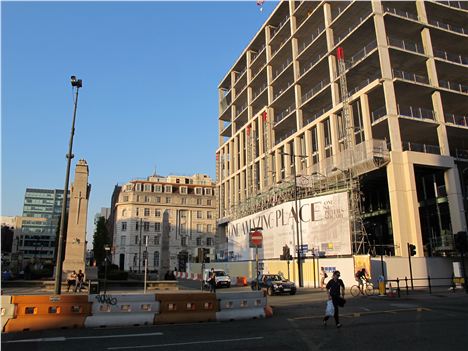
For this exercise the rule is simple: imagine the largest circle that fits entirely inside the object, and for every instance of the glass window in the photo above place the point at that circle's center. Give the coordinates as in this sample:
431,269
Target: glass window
209,215
183,201
199,228
137,225
183,241
198,191
147,187
156,240
183,190
209,228
157,213
208,202
157,227
158,199
199,215
158,188
125,198
156,259
124,226
146,226
208,191
199,241
209,241
136,239
199,201
168,188
168,200
147,212
124,212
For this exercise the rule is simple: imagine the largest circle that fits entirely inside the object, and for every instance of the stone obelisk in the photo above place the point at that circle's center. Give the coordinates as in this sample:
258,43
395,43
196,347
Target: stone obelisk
75,249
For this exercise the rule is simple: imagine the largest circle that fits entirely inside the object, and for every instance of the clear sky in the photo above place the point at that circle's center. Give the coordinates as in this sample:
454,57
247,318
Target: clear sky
149,100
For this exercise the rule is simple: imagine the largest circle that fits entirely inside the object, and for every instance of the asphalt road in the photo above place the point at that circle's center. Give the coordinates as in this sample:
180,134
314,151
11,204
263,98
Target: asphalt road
415,322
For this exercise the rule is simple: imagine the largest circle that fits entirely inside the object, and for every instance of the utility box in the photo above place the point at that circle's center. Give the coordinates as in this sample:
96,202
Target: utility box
93,287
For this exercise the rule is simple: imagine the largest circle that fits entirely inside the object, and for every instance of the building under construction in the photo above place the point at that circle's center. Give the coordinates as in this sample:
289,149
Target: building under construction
368,98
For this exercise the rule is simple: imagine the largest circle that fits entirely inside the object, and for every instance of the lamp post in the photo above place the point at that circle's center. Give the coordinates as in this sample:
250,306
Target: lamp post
107,249
76,84
139,248
298,231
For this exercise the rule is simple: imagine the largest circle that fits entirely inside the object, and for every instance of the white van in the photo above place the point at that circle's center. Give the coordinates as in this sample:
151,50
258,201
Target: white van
222,279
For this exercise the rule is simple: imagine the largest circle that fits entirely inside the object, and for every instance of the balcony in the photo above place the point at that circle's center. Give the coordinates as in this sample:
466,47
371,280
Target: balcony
313,35
447,56
416,112
259,91
410,77
453,86
458,120
285,136
463,5
282,90
449,27
242,110
280,26
378,114
282,68
312,63
318,87
428,149
351,28
254,56
405,45
317,114
401,13
285,113
364,83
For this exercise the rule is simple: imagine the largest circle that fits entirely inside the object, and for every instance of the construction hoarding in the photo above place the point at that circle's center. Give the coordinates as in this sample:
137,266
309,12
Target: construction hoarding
323,222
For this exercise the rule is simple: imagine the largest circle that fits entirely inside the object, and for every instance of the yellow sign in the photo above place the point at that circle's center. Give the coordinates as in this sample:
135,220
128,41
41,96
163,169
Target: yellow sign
362,261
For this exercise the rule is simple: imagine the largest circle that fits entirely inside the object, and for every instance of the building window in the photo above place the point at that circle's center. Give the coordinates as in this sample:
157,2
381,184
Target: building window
145,240
136,239
146,226
137,211
124,212
198,191
123,240
209,215
128,187
158,188
199,215
183,190
208,191
168,200
183,241
156,240
138,187
199,202
156,259
158,199
168,188
125,198
147,212
147,199
157,227
124,226
208,202
209,228
183,201
157,213
147,187
209,241
137,225
199,228
199,241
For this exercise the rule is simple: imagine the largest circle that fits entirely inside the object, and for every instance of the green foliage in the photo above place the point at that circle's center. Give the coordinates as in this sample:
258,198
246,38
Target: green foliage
100,240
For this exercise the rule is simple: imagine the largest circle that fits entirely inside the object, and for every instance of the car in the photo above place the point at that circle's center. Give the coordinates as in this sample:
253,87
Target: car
274,284
222,278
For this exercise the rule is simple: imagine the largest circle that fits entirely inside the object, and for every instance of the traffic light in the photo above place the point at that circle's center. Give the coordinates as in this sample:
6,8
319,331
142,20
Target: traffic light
461,243
412,249
286,253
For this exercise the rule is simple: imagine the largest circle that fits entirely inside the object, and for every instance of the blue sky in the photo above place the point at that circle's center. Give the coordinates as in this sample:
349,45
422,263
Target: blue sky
150,73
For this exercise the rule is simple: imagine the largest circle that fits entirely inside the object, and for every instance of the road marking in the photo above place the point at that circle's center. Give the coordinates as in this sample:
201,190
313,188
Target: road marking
82,337
184,343
359,314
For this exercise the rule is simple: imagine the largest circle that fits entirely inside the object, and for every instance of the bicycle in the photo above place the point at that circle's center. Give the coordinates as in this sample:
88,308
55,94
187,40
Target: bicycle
368,289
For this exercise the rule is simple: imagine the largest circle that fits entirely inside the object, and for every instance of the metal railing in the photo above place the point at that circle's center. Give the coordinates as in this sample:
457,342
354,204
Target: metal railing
405,45
463,60
282,90
254,56
462,88
407,284
283,114
315,90
425,148
459,120
259,91
449,27
456,4
254,75
285,136
402,13
313,35
364,83
312,63
461,153
416,112
360,55
378,114
279,27
282,68
356,24
412,77
317,114
241,109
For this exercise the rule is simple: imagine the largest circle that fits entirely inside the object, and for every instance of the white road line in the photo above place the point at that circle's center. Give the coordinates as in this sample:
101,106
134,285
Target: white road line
184,343
82,337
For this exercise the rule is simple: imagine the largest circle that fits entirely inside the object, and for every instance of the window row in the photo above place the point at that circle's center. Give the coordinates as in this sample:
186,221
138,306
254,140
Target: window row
159,188
156,240
167,200
147,212
146,227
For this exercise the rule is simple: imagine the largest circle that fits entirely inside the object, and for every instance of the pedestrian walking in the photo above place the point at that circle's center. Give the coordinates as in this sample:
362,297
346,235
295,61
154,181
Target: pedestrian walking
335,291
212,281
323,276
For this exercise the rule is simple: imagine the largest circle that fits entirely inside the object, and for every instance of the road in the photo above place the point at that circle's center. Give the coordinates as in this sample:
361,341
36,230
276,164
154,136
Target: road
414,322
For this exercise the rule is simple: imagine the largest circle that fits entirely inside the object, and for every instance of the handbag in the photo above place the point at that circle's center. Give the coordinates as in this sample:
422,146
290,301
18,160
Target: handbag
341,301
330,309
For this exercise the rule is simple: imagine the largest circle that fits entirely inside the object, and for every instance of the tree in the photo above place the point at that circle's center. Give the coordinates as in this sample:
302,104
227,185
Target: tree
100,240
7,238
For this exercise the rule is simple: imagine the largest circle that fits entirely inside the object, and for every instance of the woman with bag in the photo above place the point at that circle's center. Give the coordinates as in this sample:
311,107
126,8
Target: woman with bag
335,290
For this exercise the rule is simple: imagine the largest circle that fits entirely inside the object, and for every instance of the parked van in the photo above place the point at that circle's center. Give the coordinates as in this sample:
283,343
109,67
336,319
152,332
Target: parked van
222,278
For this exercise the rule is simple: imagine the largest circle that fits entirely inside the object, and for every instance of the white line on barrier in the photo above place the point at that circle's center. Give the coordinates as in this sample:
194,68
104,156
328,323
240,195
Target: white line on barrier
183,343
82,337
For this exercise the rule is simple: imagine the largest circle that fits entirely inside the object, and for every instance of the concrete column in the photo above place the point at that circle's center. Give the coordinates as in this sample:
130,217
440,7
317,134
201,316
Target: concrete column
455,199
366,116
387,76
308,145
297,152
287,159
277,161
404,204
241,138
335,137
321,146
441,128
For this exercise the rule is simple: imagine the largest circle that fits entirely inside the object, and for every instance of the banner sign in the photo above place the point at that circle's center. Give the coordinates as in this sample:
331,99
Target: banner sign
322,220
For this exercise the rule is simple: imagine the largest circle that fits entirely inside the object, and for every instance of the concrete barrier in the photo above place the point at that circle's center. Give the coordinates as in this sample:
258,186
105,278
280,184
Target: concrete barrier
122,310
8,309
186,307
162,285
243,305
40,312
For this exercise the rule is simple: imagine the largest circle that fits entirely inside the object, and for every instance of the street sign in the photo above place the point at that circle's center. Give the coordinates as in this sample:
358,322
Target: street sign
256,238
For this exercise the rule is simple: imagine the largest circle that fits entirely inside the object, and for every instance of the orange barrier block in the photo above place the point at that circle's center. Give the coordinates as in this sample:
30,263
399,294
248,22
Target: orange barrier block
268,311
39,312
241,281
186,307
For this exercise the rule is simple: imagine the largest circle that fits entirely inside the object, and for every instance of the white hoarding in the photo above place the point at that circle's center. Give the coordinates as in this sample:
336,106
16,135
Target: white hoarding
323,222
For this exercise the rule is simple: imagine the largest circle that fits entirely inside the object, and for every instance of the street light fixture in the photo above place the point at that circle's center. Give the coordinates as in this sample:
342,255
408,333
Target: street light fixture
107,250
76,84
298,232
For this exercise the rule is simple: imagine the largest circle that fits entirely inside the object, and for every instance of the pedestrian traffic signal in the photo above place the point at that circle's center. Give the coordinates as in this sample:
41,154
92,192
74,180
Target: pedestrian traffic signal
286,253
412,249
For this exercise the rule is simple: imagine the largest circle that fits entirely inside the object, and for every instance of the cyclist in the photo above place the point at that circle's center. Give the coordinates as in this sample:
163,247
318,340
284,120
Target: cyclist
361,278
